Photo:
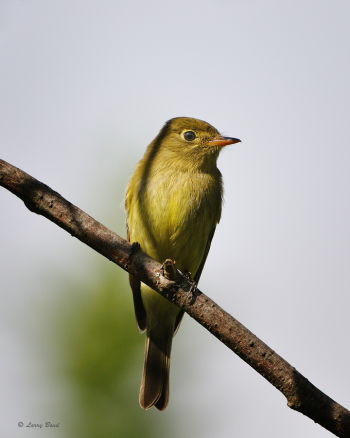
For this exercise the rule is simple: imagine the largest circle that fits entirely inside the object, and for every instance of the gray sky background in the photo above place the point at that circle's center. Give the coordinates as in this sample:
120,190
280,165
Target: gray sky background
86,85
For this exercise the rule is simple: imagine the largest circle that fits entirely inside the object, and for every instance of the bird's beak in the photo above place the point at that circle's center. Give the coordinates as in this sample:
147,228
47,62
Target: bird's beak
222,141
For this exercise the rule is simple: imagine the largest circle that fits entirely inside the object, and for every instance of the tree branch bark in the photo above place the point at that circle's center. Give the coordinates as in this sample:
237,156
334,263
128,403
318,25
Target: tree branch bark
301,394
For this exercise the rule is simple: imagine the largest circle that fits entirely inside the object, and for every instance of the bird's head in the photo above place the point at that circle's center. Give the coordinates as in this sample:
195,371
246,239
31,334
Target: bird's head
193,135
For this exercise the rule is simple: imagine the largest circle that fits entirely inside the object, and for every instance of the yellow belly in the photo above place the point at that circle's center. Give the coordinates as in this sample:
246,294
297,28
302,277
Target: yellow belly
173,219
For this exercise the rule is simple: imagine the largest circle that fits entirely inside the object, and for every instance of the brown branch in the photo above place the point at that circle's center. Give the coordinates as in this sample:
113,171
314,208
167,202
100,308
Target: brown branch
301,395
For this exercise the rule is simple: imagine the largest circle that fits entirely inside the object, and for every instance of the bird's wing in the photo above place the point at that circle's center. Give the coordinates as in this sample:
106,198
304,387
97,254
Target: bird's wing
205,255
198,274
140,312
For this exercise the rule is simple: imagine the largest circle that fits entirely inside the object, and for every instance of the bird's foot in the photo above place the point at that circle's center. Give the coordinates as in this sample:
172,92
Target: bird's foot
169,270
193,286
135,247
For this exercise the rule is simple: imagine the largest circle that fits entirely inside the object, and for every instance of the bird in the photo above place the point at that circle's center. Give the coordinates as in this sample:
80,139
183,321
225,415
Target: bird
173,204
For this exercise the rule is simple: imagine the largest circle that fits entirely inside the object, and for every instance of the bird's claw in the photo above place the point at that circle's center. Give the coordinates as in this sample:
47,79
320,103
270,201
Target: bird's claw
168,269
135,246
193,286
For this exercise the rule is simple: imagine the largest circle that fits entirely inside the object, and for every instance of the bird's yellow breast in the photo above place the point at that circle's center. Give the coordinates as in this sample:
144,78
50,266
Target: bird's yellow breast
173,213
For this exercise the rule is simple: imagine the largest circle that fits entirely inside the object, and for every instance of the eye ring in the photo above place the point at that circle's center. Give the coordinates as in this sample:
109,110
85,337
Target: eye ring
189,135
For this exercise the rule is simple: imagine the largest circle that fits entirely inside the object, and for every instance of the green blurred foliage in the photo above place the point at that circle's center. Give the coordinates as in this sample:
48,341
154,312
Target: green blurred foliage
99,357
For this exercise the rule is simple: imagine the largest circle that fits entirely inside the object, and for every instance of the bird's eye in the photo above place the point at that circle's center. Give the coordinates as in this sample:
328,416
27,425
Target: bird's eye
189,135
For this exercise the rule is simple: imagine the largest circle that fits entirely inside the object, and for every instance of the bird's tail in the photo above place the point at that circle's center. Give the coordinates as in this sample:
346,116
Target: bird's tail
154,389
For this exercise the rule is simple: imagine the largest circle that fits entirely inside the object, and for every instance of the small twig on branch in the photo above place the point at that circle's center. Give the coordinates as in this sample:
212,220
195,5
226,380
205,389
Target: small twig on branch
301,395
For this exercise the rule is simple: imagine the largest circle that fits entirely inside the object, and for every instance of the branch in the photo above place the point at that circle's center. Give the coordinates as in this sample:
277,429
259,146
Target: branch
301,394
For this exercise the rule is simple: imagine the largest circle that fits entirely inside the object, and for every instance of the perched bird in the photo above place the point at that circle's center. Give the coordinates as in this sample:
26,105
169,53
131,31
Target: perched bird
173,204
